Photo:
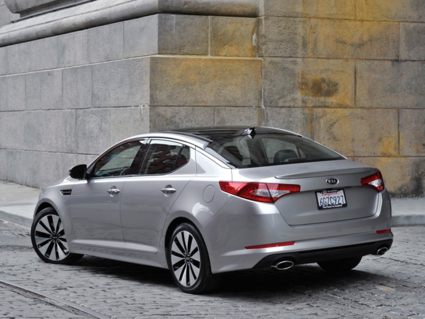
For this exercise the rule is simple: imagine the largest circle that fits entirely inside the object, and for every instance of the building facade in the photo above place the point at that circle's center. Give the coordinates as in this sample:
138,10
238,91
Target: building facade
76,76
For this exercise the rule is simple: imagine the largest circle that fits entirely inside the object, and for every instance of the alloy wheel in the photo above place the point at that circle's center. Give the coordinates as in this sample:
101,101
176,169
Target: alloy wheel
185,258
49,237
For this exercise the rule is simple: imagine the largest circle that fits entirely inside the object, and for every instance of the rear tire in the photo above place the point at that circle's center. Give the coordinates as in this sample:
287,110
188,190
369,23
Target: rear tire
188,260
48,238
340,265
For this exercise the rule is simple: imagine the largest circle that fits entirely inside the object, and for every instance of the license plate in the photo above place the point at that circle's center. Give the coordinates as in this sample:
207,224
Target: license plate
331,199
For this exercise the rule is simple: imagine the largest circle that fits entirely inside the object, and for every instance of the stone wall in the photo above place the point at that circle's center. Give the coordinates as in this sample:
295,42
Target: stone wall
348,73
353,73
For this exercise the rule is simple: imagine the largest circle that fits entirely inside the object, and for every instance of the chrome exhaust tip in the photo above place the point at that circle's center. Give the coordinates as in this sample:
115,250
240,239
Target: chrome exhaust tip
283,265
381,251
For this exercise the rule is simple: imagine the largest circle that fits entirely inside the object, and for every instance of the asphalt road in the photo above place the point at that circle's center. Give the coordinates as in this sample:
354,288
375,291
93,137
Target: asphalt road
392,286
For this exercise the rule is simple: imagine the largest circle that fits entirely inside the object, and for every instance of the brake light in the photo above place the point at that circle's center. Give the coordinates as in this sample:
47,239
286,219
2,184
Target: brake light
259,192
375,181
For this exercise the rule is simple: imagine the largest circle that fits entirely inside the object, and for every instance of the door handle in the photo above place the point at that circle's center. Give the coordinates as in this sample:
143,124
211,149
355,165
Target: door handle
167,190
113,191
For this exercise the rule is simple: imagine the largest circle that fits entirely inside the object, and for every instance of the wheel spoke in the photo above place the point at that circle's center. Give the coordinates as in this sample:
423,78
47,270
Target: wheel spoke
193,273
58,225
56,251
194,251
196,263
44,243
62,247
179,246
188,275
51,223
49,250
182,273
41,234
184,241
44,226
178,264
175,253
189,245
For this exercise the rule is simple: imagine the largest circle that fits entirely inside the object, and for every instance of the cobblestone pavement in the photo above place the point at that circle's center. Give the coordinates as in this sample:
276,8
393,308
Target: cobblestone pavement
392,286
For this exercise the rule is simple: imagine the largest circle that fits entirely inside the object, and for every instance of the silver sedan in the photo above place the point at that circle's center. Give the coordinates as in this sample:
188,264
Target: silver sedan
210,200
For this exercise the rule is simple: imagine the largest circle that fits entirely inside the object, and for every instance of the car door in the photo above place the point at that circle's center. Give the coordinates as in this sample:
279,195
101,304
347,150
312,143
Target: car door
147,199
94,206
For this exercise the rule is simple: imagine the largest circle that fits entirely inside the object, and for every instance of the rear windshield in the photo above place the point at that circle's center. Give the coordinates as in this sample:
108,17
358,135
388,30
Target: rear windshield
268,149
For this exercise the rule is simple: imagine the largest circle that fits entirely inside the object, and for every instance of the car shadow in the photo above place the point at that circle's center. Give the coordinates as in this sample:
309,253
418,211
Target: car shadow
246,284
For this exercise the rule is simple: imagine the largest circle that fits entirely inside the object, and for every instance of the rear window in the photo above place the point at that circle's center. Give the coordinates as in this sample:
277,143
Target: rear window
268,149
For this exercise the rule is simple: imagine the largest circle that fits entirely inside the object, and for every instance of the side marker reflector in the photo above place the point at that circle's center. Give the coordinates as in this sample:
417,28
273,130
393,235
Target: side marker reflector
286,243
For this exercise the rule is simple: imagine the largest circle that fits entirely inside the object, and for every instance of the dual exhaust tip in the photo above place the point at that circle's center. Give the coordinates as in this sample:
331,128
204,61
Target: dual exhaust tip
382,250
287,264
283,265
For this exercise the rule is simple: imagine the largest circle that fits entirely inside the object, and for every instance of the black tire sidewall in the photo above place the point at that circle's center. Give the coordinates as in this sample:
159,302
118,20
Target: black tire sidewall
203,283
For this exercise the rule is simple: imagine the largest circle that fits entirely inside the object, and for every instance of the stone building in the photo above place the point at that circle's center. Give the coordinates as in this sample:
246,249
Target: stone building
78,75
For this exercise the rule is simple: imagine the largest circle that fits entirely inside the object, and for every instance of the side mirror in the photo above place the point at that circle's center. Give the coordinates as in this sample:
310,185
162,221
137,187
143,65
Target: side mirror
79,171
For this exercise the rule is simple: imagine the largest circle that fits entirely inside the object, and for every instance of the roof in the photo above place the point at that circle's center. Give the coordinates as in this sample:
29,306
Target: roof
202,136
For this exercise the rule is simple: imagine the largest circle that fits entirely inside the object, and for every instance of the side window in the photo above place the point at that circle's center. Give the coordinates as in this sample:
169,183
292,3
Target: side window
125,159
165,157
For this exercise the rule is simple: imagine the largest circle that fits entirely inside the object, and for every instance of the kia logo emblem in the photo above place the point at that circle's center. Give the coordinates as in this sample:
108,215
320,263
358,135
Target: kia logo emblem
332,181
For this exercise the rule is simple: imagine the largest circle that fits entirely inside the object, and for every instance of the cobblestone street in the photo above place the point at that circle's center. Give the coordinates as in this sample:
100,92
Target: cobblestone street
391,286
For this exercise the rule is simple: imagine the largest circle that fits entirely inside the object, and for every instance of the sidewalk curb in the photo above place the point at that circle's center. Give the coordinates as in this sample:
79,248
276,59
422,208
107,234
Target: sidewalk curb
408,220
23,221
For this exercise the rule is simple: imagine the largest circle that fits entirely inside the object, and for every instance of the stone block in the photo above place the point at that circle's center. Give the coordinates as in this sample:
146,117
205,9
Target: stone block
412,132
343,9
403,176
121,83
42,168
93,125
73,48
357,132
230,36
309,82
325,38
412,41
393,10
3,93
183,34
205,82
44,90
141,36
128,121
353,39
298,120
282,37
77,87
3,165
15,92
106,43
44,54
248,116
165,118
52,130
18,58
11,130
390,84
3,61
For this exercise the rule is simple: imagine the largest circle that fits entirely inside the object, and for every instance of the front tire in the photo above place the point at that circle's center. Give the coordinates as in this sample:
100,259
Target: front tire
340,265
188,260
48,238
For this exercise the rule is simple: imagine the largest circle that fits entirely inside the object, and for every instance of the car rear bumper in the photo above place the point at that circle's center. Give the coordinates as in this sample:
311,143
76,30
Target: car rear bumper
317,255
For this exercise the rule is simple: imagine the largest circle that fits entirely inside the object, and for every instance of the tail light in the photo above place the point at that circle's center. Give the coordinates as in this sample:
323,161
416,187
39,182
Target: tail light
375,181
259,192
384,231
